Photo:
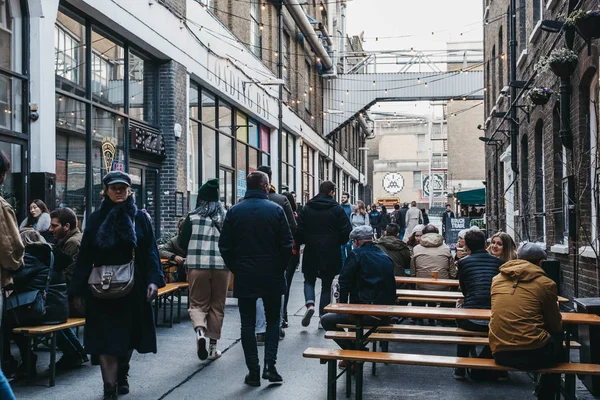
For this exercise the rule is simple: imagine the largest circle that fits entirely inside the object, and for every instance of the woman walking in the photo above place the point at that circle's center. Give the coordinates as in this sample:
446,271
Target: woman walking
11,254
292,264
207,275
360,216
38,218
118,234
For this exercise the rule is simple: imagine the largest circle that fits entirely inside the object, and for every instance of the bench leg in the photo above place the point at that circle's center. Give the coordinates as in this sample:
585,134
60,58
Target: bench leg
28,362
374,366
359,380
348,379
171,313
331,379
52,360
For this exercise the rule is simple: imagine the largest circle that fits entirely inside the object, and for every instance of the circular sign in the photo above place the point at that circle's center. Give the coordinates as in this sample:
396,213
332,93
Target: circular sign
393,182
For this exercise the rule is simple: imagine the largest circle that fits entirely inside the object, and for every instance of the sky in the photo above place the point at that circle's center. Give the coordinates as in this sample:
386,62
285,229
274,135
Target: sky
448,20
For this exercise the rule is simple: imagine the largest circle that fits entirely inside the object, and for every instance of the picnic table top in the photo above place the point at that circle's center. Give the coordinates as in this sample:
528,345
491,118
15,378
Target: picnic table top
46,329
430,281
441,294
441,313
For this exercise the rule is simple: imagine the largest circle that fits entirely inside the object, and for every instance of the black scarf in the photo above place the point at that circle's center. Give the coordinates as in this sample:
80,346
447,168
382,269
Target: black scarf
117,225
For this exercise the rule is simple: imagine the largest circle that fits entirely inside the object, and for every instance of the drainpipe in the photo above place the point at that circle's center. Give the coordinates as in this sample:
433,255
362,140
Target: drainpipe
279,7
325,33
514,127
363,124
343,40
306,28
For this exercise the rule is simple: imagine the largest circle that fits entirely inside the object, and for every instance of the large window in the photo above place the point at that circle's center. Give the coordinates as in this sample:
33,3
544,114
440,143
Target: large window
255,29
288,162
307,88
308,173
286,59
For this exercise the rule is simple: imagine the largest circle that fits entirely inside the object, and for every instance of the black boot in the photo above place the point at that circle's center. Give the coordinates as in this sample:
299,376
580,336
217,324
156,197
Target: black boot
270,372
122,377
110,392
253,377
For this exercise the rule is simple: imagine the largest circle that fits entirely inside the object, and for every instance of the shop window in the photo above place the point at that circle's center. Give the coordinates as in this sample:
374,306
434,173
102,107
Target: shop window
225,150
108,72
69,50
209,106
5,36
265,140
241,126
209,152
226,187
193,102
11,103
224,117
71,171
308,173
253,160
12,188
253,133
194,161
241,169
142,89
255,29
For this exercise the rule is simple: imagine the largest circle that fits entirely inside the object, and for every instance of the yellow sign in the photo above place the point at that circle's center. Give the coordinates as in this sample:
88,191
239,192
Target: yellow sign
108,153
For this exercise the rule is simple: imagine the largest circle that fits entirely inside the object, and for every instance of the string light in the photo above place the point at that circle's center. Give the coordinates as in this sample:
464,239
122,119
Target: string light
347,92
425,84
418,80
261,26
385,91
59,98
373,83
464,98
264,6
276,54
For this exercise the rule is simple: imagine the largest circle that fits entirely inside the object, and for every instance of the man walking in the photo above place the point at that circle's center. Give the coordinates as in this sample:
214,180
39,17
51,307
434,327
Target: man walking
347,207
375,220
448,213
63,225
322,227
256,244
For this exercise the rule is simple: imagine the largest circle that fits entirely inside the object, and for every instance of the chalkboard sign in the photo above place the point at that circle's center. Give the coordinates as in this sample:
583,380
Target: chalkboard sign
453,227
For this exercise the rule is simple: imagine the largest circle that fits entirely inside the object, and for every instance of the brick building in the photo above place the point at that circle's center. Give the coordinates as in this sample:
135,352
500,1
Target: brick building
545,193
175,92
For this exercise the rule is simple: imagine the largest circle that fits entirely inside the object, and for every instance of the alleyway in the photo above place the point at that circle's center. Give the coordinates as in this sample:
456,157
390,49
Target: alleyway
175,373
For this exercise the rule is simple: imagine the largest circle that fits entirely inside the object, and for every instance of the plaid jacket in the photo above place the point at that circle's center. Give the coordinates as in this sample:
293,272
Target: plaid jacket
203,248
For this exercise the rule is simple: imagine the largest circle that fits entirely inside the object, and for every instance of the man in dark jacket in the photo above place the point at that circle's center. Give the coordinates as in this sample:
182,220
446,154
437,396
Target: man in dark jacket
63,225
366,278
256,244
475,274
280,199
375,220
348,209
448,213
402,220
322,227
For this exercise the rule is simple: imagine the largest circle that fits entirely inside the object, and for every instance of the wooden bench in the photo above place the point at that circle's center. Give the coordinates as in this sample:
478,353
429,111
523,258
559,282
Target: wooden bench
439,294
427,281
360,357
167,295
45,335
436,330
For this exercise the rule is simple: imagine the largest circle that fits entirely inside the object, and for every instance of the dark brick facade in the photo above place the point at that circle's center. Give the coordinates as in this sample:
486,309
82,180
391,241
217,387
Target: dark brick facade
177,7
172,81
539,138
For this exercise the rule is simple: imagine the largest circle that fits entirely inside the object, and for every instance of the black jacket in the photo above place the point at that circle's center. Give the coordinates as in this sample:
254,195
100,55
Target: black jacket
374,218
284,203
256,244
475,273
402,221
368,277
322,227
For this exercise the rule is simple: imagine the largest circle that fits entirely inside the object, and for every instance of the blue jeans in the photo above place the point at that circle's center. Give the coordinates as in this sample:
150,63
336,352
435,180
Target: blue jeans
272,307
309,292
68,343
346,249
6,392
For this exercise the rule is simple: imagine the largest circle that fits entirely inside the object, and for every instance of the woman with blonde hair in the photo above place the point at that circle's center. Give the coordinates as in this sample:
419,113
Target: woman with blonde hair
359,217
503,246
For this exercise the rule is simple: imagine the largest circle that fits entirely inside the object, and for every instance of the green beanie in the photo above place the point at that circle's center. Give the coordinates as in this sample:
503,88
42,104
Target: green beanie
209,191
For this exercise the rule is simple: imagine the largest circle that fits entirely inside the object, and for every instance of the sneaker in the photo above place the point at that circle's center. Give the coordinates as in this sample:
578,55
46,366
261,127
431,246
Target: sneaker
342,364
281,333
270,373
285,324
459,374
310,310
253,378
201,345
260,339
213,353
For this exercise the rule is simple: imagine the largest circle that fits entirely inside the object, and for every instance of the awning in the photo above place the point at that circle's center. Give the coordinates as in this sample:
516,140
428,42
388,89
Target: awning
475,196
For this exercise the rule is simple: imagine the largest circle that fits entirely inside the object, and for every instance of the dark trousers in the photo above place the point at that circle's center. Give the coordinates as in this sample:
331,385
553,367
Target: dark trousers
289,275
68,343
309,291
464,350
529,360
247,308
330,321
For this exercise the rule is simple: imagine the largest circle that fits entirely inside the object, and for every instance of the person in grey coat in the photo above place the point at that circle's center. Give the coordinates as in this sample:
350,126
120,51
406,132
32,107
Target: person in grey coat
413,217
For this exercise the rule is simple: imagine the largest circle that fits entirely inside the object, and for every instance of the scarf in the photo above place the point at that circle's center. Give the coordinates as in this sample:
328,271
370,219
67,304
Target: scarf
117,225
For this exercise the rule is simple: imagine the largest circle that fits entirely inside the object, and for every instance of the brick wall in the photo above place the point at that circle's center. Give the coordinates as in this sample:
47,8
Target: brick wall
172,105
578,161
177,7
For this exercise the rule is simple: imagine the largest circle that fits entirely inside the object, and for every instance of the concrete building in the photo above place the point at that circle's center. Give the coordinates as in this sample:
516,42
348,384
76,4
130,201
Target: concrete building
174,103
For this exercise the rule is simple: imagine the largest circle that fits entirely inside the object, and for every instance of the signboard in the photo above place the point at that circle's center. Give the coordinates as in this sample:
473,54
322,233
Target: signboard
438,183
241,184
453,227
147,140
393,182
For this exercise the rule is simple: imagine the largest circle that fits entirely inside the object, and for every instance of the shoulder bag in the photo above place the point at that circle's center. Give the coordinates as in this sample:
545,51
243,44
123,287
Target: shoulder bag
112,281
29,307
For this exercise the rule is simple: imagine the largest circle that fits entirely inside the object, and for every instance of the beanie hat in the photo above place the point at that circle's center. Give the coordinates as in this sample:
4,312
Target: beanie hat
209,191
418,228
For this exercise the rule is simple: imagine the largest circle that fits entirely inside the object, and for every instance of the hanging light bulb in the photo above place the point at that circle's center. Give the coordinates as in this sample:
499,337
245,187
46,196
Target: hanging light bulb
264,6
373,83
385,91
261,26
347,92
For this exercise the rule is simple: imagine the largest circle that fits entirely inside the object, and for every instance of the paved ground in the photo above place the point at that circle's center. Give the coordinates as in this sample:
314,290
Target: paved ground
175,372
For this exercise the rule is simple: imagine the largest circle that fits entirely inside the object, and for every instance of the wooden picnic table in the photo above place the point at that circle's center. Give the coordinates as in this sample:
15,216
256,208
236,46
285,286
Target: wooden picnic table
429,281
440,294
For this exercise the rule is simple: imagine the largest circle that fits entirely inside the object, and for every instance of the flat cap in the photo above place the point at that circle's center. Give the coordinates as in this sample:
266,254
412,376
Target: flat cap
116,177
361,233
531,252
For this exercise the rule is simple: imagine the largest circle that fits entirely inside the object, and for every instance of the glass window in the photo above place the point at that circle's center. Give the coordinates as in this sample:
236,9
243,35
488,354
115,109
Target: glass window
252,159
265,159
12,188
253,134
225,150
194,102
255,28
10,38
290,151
224,117
70,114
141,89
209,151
307,91
241,126
241,158
107,149
265,144
108,73
209,106
284,147
286,58
11,103
194,162
226,187
69,50
417,180
70,172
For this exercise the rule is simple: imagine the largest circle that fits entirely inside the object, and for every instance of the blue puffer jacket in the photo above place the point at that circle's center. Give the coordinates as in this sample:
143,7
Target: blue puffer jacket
368,277
475,273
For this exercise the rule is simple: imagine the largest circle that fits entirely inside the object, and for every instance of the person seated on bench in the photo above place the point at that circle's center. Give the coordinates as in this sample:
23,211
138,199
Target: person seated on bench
172,251
526,325
395,248
367,277
475,274
37,268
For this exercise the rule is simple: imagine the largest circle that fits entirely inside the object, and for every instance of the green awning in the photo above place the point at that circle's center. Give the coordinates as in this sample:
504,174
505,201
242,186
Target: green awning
475,197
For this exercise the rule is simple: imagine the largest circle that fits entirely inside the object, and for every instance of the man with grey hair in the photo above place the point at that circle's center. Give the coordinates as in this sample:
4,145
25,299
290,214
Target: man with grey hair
256,244
525,330
367,277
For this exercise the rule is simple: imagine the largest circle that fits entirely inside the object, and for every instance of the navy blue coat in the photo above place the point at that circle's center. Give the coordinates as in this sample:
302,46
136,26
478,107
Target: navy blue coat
368,277
116,326
323,227
256,244
475,273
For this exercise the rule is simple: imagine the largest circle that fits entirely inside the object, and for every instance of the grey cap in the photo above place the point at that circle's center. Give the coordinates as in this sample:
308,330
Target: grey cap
531,252
116,177
361,233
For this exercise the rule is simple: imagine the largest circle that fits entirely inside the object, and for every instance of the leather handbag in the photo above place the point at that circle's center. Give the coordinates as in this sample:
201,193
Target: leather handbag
29,307
112,281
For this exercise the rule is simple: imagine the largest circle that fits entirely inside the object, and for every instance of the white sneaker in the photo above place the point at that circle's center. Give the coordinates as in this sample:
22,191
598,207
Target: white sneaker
201,345
213,353
310,310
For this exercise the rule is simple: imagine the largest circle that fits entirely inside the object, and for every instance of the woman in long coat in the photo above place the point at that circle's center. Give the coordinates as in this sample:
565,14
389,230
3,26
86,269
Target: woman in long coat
116,327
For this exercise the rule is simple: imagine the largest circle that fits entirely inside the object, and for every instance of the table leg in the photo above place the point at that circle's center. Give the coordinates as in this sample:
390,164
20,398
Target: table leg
348,379
570,383
171,316
359,380
179,306
358,366
28,357
374,366
165,308
331,380
52,360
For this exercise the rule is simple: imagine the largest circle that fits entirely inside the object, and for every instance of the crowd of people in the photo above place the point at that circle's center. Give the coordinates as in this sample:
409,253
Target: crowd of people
111,272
